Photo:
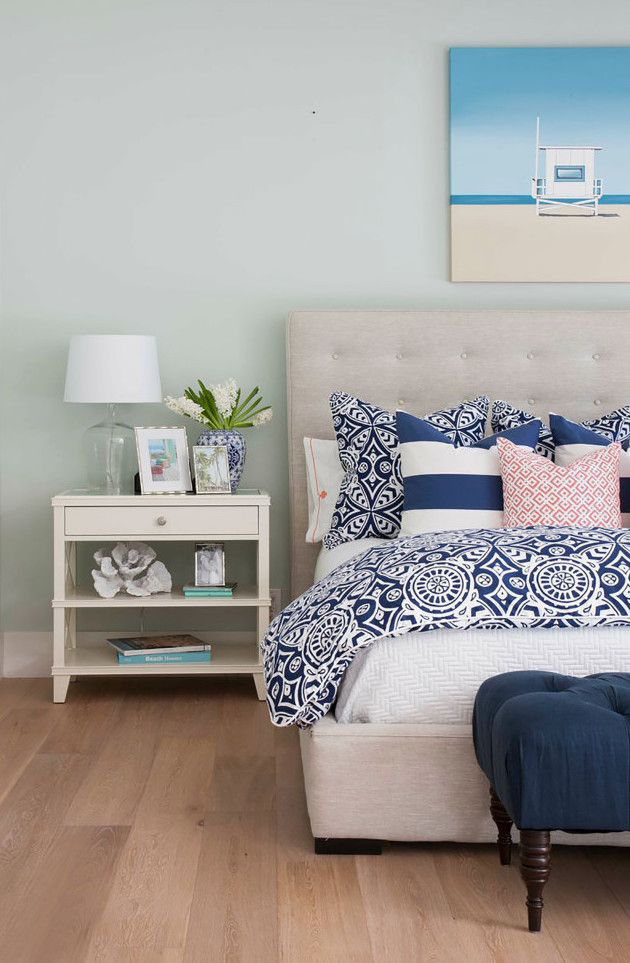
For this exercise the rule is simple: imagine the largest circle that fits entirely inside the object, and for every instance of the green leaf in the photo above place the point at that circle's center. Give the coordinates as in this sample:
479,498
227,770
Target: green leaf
238,409
211,405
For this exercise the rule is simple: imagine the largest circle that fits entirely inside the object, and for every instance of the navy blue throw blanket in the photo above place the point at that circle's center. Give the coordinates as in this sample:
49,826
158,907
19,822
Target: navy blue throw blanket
502,578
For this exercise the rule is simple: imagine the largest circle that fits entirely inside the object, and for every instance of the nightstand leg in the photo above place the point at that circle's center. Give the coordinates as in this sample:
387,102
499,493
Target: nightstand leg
262,624
60,687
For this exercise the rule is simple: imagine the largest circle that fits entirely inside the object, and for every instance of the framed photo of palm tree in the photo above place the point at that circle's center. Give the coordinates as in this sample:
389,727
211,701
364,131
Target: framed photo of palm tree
212,469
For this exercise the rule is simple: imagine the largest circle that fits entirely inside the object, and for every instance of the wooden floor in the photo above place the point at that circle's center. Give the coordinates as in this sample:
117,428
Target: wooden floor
164,820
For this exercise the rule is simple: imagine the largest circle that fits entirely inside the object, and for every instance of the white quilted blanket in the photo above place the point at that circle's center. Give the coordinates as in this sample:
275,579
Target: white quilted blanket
432,677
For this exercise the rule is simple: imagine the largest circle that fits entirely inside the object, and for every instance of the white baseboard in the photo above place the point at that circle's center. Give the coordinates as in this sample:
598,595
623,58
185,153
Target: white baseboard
30,654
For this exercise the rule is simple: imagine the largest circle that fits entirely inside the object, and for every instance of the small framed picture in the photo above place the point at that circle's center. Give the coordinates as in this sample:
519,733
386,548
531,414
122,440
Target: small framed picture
209,563
212,470
163,461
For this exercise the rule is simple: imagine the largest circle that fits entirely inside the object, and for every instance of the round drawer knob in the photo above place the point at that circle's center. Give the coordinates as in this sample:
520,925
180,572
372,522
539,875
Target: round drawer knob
464,355
597,402
530,355
161,520
596,356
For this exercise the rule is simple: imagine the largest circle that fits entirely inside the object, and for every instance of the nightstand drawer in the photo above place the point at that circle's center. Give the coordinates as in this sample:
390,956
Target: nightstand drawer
147,521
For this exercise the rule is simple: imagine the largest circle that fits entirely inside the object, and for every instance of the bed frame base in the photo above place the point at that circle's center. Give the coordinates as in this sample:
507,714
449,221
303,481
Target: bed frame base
347,847
367,784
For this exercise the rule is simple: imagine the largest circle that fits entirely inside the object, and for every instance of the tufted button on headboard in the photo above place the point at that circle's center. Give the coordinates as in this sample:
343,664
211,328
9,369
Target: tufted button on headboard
573,362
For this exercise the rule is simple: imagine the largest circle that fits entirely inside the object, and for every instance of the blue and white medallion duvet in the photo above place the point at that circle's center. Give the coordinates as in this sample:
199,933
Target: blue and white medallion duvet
503,578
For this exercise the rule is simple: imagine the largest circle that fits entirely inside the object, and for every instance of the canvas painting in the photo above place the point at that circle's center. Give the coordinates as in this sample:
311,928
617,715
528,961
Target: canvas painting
540,164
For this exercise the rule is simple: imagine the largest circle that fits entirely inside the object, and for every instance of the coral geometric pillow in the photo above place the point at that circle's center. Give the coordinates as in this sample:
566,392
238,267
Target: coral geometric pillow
537,492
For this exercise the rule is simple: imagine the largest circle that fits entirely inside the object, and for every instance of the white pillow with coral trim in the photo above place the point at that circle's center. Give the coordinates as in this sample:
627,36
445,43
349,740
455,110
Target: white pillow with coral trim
324,475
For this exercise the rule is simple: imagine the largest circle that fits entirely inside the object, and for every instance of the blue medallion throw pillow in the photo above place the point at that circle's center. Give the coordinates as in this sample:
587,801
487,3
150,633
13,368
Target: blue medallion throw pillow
614,426
370,500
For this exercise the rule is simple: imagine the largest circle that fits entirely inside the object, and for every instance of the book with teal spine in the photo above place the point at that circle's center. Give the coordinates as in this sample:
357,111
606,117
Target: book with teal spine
208,591
226,589
166,658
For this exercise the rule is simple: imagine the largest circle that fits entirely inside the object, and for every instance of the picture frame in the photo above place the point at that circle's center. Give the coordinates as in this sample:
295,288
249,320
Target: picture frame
163,460
212,470
209,563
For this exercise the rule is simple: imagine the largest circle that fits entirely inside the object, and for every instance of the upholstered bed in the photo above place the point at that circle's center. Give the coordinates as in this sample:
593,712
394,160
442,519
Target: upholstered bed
400,780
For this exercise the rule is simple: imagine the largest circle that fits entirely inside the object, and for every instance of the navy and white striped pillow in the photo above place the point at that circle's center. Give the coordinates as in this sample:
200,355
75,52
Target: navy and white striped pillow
573,441
449,488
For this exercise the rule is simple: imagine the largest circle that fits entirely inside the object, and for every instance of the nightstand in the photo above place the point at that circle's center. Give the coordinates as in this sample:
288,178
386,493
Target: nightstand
79,517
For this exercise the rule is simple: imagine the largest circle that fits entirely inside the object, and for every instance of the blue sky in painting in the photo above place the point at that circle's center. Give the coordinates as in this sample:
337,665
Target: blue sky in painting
582,95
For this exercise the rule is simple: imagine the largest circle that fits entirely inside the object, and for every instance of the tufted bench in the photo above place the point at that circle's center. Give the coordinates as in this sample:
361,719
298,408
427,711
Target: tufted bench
556,750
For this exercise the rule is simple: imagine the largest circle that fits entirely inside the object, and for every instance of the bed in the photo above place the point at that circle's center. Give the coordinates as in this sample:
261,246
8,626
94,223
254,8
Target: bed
379,779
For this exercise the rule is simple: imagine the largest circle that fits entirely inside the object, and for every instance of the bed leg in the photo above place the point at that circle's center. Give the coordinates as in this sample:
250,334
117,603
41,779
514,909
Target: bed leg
325,846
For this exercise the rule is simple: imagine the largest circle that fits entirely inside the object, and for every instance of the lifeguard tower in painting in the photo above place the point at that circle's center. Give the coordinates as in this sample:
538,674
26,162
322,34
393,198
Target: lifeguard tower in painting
568,179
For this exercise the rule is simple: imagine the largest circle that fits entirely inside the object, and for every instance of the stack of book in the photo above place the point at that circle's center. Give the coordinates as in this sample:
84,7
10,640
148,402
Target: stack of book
209,591
161,649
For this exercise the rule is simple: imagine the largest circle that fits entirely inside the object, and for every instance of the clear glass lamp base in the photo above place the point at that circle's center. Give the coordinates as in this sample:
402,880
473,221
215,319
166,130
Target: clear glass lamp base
109,452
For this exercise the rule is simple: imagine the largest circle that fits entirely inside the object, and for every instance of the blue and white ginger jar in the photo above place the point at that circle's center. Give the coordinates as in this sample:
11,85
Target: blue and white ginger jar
236,448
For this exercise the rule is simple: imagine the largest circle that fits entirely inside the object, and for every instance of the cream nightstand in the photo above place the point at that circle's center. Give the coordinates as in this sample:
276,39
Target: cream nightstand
79,517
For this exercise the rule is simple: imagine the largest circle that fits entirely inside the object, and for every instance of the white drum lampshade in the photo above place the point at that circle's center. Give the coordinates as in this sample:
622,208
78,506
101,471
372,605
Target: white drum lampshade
112,369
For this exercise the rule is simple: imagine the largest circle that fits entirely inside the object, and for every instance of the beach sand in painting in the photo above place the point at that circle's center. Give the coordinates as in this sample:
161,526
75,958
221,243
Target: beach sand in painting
512,243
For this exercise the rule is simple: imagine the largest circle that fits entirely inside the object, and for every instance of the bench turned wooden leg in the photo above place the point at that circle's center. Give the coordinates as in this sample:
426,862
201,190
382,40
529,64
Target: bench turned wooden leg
535,860
504,826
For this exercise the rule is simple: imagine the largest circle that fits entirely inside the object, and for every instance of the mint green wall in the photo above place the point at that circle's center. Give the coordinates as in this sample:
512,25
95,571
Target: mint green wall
194,169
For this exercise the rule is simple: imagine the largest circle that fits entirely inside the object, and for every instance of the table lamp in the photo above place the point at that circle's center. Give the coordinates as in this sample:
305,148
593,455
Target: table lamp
112,369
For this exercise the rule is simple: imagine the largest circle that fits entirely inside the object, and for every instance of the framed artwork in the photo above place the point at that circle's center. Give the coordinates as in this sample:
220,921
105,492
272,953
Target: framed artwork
163,461
209,563
212,469
540,164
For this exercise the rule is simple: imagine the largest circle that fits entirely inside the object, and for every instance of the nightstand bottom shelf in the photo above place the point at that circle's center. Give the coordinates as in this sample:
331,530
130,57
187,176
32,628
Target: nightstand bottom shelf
228,658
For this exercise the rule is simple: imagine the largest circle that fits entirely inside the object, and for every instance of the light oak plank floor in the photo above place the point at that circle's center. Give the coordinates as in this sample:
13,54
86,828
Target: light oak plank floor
163,821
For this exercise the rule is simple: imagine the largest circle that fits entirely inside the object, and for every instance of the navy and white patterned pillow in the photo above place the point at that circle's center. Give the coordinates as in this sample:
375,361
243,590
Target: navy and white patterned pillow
371,497
614,426
505,416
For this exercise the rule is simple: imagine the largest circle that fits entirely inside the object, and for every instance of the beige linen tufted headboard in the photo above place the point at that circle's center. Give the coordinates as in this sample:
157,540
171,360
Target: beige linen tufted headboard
574,362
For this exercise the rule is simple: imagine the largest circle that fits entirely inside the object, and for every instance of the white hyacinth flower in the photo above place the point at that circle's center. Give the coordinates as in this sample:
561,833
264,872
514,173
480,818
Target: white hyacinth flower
225,397
263,417
184,406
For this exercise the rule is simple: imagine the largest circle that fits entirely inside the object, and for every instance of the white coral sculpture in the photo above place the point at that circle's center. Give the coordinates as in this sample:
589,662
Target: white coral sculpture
129,567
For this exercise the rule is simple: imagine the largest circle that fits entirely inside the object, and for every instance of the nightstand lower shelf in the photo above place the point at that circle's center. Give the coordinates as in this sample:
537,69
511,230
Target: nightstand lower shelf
227,657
